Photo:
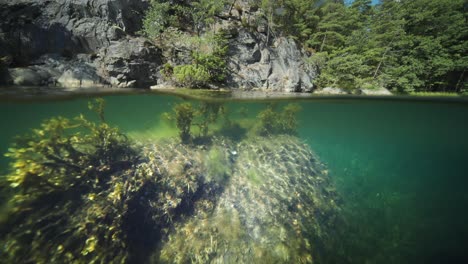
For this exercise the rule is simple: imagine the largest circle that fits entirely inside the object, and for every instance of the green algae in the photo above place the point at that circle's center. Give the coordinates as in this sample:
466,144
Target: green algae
217,164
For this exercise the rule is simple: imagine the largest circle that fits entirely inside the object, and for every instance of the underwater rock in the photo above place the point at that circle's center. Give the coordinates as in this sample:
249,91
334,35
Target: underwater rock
263,200
277,207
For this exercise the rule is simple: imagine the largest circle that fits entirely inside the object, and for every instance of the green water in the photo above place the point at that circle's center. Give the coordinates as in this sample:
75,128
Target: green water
400,166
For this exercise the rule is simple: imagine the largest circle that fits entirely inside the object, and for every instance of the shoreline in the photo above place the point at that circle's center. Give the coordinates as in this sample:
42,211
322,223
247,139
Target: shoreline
44,93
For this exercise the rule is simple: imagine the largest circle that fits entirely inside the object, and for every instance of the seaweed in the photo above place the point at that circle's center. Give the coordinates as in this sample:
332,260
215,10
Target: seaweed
277,122
82,192
60,190
184,114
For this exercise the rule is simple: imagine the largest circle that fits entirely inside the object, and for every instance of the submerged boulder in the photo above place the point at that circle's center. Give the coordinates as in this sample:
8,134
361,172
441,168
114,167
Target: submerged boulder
266,200
278,206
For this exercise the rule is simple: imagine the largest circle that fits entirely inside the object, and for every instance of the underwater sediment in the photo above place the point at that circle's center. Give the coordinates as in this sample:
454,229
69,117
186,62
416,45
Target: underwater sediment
81,192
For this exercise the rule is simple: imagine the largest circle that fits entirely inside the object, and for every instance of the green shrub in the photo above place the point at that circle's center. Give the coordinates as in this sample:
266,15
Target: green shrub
157,18
167,71
209,64
214,64
193,76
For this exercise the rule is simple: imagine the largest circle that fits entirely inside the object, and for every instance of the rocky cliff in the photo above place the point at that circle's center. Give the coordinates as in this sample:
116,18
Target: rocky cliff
85,43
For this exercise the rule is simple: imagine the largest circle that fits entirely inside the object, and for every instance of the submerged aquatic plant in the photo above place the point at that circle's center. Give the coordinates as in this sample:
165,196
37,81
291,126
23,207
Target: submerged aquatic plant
60,177
84,195
184,113
81,194
201,118
275,122
212,118
68,153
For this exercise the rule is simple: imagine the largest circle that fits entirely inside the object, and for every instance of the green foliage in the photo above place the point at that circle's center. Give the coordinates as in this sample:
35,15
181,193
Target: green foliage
157,19
167,71
405,46
194,76
204,12
208,66
274,122
184,15
166,23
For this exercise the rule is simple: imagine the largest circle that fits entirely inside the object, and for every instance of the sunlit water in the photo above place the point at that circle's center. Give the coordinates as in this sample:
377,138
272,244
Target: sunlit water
400,165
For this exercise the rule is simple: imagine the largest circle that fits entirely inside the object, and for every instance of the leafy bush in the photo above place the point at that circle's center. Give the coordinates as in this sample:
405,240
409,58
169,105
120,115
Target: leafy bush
214,64
156,19
194,76
209,65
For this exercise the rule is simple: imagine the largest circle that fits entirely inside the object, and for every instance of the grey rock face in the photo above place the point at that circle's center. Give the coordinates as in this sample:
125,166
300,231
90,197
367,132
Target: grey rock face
131,62
32,28
104,31
279,68
56,71
331,91
101,29
28,77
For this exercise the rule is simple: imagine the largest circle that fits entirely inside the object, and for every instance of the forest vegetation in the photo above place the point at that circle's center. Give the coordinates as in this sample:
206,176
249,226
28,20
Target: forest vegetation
405,46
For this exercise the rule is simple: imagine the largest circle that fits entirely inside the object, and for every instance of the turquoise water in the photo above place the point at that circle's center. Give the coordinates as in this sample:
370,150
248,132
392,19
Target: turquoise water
400,166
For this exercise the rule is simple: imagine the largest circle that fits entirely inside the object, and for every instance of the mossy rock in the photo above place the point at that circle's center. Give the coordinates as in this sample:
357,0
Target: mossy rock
262,200
286,213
